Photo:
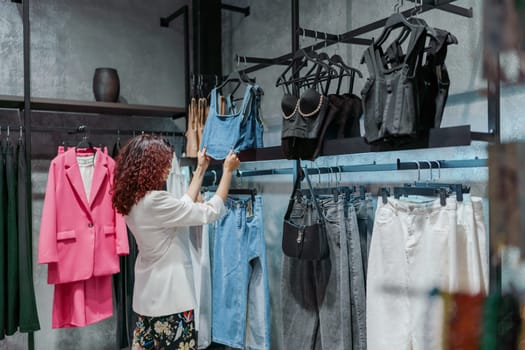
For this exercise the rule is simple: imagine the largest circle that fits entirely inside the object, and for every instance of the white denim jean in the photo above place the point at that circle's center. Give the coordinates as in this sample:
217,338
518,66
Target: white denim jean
473,234
416,247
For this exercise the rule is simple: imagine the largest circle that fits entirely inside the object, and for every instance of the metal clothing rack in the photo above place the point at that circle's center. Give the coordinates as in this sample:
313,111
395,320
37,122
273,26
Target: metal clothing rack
348,37
102,131
461,135
351,37
212,174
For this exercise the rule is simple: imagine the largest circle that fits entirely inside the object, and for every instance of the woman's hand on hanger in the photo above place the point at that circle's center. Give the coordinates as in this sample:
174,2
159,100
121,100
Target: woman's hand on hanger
231,163
203,161
198,175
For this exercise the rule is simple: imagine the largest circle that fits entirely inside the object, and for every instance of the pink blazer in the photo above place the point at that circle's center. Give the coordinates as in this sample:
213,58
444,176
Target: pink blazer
80,238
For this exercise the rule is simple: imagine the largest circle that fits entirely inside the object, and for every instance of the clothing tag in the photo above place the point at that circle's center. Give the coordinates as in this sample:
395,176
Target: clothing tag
249,209
86,160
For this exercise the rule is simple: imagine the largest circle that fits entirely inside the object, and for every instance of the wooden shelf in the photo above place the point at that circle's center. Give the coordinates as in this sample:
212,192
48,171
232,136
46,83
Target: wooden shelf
93,107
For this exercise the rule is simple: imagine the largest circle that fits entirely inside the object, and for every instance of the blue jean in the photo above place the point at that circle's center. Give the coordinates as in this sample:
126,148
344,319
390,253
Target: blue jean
241,300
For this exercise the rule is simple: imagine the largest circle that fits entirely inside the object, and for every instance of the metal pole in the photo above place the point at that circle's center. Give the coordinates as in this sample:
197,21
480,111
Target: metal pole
186,57
295,47
27,127
295,37
493,100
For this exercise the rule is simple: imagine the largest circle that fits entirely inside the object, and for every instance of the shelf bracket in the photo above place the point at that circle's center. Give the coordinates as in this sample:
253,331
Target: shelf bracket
244,10
165,21
447,7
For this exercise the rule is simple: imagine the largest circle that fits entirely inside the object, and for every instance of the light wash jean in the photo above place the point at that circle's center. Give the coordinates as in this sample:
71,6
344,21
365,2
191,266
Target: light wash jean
241,301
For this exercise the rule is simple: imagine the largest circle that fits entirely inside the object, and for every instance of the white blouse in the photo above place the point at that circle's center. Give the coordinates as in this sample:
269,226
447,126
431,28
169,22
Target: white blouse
163,271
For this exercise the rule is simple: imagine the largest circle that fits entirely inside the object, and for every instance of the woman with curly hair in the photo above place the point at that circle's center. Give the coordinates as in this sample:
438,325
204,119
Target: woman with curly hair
163,294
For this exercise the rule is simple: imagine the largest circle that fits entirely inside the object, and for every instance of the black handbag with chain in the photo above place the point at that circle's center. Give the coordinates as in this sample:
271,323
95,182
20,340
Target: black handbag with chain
303,240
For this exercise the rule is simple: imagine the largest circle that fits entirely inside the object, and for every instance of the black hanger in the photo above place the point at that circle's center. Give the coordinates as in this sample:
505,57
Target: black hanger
84,142
297,63
442,192
385,193
458,189
238,78
323,56
362,192
430,31
345,71
319,72
338,60
200,86
244,191
251,191
396,20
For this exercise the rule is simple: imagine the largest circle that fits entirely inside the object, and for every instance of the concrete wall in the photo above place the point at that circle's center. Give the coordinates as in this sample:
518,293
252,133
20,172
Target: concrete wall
68,41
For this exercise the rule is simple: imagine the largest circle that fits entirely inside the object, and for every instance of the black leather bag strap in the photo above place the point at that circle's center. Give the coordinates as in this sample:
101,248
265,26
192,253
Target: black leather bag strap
314,199
295,188
292,196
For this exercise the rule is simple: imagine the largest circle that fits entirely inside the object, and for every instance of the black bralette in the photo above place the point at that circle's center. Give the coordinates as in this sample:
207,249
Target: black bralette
308,103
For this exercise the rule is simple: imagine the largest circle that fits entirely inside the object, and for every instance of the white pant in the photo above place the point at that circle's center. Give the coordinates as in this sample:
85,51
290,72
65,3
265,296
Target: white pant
474,259
417,247
200,259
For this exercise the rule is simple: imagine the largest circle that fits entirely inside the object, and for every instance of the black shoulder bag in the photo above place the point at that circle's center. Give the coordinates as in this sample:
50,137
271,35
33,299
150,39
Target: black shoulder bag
299,240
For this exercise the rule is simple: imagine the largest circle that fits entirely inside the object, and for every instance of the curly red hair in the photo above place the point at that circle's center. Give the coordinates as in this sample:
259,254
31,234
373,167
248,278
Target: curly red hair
142,165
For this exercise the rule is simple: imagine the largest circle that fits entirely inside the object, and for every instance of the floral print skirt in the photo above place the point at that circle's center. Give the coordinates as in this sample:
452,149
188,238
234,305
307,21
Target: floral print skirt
173,332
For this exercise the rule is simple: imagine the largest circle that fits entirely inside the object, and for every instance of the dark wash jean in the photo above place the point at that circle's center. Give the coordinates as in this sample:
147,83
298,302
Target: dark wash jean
323,302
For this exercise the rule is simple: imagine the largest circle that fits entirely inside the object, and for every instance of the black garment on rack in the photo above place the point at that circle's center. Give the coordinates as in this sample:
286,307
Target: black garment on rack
435,79
345,123
301,130
12,281
28,312
18,310
390,95
3,235
123,284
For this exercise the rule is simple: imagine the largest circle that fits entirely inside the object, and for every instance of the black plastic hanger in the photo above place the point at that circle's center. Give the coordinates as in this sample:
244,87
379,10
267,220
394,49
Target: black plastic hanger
239,78
244,191
297,63
84,142
442,192
396,20
385,193
458,189
403,35
345,71
318,73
